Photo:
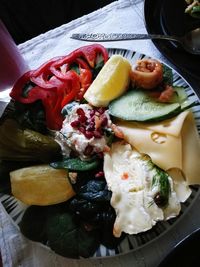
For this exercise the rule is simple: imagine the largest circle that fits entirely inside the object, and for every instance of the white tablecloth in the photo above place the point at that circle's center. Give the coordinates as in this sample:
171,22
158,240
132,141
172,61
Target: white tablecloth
121,16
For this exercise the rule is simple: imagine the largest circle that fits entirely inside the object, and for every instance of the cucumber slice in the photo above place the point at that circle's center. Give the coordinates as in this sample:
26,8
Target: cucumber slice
180,95
137,105
182,98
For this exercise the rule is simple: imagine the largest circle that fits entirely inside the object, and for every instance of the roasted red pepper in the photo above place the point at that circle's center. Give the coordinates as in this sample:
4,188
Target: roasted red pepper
85,80
55,84
17,90
88,52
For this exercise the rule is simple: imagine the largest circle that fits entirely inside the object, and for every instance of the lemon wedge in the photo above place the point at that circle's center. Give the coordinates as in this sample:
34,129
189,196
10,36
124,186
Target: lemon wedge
41,185
111,82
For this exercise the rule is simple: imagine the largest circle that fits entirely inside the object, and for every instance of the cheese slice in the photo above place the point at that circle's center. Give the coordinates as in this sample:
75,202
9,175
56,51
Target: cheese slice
172,143
164,150
191,151
181,187
171,126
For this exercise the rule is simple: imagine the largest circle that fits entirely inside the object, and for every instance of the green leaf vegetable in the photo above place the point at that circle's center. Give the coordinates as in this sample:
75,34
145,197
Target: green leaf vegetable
60,229
76,164
160,181
69,238
33,223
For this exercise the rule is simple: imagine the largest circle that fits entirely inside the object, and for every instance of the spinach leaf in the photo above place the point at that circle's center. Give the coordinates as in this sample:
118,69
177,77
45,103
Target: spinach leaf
96,191
30,116
75,68
75,164
97,68
33,223
167,75
69,238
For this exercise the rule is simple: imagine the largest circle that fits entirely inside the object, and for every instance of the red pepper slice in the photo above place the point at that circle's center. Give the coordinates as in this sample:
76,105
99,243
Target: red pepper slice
55,87
45,66
82,63
88,52
17,90
45,80
75,88
53,109
86,80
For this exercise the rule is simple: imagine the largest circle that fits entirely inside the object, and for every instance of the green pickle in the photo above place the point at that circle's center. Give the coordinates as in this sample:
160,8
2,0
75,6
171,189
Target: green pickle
25,144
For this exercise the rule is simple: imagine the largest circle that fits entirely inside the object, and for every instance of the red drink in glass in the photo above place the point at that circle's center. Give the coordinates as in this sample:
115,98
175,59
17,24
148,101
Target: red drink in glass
12,64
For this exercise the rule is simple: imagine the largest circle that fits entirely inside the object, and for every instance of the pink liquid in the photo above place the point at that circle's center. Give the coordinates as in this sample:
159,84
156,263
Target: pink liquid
12,64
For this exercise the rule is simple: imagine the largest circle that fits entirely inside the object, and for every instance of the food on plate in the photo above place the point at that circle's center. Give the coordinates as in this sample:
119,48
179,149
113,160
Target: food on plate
97,151
173,143
41,185
84,130
142,193
58,82
147,73
138,105
112,81
23,144
193,8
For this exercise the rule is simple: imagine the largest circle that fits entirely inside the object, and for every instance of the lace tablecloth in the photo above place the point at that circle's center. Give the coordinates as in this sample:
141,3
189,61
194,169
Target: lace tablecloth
120,16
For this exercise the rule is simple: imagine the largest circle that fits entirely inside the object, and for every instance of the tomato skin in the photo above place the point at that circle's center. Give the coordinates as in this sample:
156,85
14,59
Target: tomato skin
167,94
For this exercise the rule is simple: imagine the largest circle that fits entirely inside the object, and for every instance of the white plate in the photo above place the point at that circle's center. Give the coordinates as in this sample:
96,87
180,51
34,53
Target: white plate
15,209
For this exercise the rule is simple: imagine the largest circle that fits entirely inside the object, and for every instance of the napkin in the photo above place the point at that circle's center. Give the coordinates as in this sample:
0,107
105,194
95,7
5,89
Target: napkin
123,16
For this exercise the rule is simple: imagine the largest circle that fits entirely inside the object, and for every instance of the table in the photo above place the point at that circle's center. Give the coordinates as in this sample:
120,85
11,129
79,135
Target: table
120,16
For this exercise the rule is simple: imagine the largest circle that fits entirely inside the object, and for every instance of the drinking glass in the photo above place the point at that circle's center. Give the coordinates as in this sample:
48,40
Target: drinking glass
12,64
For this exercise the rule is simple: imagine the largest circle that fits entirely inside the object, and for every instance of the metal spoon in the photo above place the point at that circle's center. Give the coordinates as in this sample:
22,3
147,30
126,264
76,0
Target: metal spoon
190,41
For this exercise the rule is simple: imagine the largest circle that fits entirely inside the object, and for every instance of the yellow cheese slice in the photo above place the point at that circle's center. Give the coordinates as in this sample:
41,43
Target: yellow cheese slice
164,150
180,185
171,126
191,151
172,143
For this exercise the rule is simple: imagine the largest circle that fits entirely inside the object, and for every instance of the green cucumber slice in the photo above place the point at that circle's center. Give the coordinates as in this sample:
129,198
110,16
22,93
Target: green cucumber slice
137,105
182,98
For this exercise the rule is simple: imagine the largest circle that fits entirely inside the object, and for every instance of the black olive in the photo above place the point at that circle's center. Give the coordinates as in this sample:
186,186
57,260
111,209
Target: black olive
160,200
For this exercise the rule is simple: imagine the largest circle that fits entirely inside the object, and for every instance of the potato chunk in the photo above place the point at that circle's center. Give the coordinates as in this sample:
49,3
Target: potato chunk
41,185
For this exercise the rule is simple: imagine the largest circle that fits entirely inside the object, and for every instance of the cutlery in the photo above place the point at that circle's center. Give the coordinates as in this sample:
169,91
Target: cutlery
190,41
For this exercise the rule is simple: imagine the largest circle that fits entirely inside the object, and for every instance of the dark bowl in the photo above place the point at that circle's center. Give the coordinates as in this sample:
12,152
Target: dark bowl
186,253
168,17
